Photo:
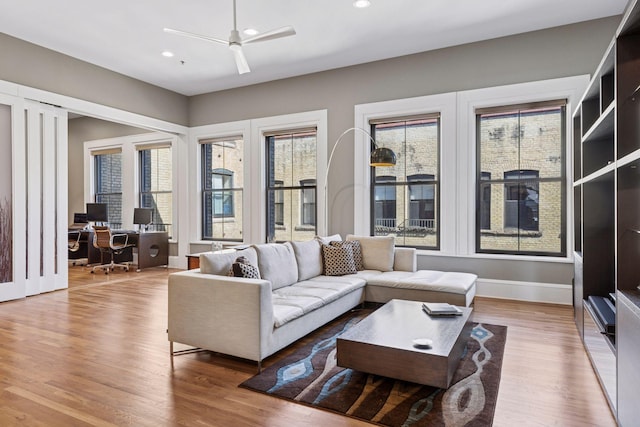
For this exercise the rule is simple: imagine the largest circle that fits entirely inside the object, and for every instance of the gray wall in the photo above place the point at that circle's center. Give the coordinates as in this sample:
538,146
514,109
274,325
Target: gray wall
553,53
557,52
31,65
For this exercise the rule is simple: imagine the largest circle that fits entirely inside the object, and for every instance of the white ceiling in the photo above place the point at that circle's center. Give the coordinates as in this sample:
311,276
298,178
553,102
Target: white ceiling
127,36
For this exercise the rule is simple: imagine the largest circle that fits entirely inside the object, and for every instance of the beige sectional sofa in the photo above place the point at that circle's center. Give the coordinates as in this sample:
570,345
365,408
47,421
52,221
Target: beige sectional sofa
254,318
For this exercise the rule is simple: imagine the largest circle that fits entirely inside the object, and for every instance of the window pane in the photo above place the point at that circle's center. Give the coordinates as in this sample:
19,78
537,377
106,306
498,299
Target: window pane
291,186
156,184
222,182
405,196
108,185
520,194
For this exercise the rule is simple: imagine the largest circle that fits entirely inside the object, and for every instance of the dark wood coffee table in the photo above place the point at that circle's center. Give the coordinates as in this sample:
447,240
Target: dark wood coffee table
382,344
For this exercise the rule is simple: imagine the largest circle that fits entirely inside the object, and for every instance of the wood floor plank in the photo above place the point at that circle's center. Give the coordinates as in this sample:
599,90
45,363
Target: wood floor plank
97,354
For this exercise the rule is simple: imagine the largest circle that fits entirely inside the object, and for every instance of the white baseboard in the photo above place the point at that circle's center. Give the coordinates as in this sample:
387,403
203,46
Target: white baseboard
178,262
525,291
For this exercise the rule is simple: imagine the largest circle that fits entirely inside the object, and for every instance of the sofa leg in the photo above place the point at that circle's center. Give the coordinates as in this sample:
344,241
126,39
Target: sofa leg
259,366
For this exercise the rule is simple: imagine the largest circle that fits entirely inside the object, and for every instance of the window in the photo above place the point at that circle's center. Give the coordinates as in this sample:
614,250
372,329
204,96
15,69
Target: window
278,201
520,192
384,205
291,185
405,197
222,187
421,201
521,199
108,184
222,181
156,184
308,197
485,200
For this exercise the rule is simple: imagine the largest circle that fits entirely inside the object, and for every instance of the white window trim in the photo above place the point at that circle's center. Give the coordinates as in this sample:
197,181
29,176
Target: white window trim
261,126
569,88
129,146
240,128
457,156
445,104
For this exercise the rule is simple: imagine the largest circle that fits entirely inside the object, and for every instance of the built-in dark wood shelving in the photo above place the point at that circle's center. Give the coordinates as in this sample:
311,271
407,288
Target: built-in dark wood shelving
606,193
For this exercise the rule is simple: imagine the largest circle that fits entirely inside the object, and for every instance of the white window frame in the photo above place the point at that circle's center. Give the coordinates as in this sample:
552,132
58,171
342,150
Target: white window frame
129,146
259,127
569,88
240,128
458,156
445,105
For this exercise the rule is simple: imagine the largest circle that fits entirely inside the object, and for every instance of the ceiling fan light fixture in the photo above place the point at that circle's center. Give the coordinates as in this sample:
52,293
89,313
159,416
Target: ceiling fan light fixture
235,47
361,4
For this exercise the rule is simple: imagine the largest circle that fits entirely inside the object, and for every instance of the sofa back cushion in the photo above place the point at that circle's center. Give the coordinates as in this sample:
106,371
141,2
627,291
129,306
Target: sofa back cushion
309,259
220,262
377,251
277,264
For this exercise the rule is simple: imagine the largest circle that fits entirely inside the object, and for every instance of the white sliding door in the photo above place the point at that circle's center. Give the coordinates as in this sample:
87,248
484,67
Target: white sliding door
33,198
12,199
46,194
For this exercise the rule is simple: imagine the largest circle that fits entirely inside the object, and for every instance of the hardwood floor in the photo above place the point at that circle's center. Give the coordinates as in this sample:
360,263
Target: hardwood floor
97,354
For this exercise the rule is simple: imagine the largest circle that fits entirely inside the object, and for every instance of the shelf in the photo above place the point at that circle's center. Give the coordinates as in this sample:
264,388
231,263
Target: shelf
603,126
598,174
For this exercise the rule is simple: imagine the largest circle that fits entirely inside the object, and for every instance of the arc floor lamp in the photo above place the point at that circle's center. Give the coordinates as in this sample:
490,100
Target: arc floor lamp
380,157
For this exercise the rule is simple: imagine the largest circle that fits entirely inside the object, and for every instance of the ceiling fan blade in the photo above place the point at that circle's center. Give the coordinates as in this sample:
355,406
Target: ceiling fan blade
196,36
241,61
270,35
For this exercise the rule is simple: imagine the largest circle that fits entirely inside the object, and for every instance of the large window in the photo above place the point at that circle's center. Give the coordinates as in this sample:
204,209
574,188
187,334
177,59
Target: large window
108,184
156,184
291,185
222,187
405,197
521,168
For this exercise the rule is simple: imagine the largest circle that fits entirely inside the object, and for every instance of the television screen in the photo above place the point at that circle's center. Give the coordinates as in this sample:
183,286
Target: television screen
97,212
142,216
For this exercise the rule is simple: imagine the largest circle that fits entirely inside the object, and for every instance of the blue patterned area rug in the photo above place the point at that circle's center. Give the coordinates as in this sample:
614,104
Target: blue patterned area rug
310,376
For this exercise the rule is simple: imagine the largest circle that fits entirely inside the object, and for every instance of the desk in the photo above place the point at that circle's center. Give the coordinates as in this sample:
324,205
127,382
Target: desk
152,247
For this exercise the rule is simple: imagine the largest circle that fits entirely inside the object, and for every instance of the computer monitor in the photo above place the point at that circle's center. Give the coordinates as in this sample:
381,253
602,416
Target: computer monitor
142,216
97,212
80,218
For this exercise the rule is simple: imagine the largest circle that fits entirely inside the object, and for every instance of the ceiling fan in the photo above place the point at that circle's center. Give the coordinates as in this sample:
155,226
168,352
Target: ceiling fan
235,43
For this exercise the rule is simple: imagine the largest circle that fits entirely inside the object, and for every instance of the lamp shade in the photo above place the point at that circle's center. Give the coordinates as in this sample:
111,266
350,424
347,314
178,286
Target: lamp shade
382,157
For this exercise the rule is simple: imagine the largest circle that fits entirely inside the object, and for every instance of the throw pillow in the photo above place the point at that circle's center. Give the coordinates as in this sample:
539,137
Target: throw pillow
338,260
357,251
377,251
325,240
243,268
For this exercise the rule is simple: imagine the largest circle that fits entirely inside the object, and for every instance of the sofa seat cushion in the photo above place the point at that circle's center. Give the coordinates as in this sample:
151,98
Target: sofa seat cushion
439,281
291,302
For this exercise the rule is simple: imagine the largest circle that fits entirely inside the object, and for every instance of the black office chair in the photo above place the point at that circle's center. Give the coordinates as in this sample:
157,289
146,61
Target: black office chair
111,244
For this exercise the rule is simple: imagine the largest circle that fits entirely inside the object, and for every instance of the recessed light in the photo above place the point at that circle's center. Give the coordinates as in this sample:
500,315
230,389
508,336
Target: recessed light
250,31
167,54
361,3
